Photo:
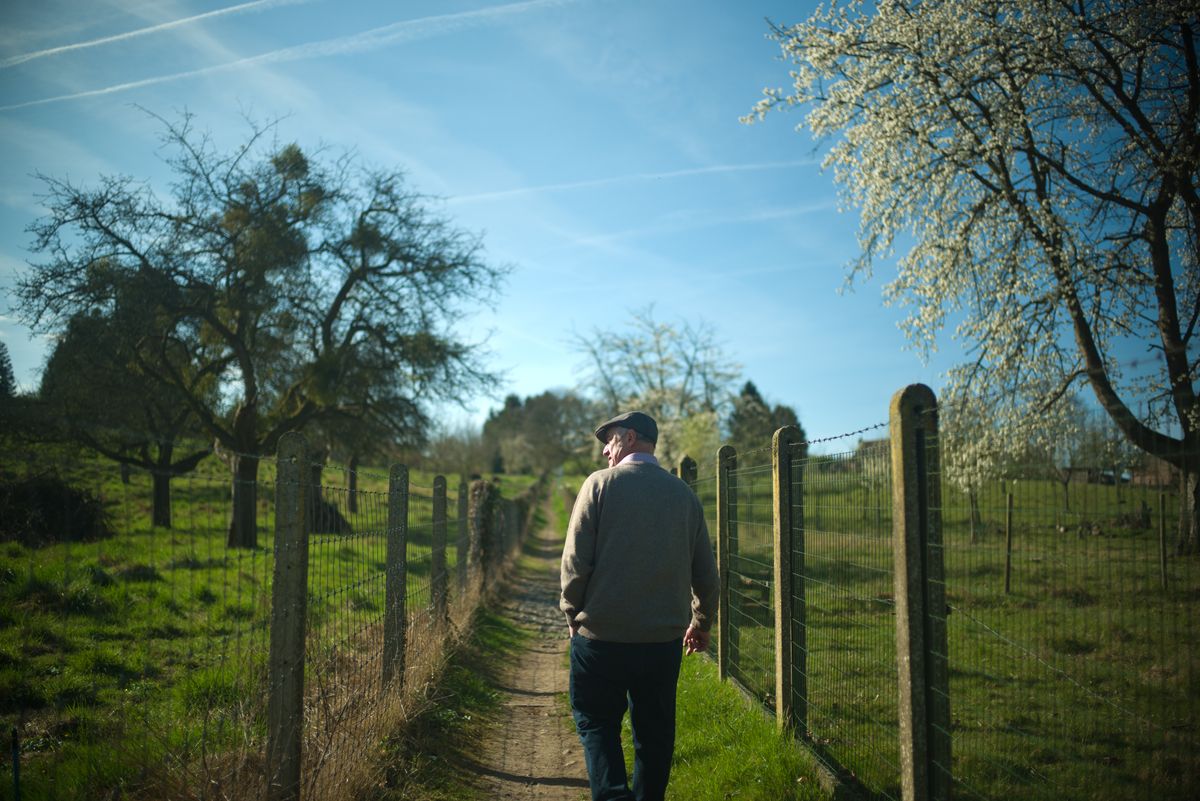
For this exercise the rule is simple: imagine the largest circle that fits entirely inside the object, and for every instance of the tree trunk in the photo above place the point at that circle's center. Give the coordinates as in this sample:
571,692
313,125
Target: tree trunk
352,486
243,525
314,515
160,496
1189,513
160,511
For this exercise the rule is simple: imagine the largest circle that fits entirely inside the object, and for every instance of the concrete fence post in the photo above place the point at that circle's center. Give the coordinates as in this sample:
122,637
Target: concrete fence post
289,605
462,542
395,616
790,666
480,517
920,597
726,547
352,485
688,471
439,591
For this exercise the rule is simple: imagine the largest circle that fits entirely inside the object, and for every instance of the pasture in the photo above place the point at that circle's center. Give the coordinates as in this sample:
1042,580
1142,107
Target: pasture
1078,680
137,662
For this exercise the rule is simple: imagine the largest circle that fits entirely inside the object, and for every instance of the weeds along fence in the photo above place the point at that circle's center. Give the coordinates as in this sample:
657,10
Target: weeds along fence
1031,634
145,662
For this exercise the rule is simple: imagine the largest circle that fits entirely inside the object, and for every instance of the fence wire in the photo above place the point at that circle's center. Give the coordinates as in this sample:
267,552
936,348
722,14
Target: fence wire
844,502
134,656
751,583
1072,630
347,550
129,650
1072,627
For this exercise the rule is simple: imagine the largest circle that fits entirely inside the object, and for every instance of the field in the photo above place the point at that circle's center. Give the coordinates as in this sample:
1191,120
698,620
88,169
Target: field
1079,681
135,664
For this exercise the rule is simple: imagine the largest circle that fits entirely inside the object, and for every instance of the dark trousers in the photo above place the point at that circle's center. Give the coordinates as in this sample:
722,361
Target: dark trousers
607,678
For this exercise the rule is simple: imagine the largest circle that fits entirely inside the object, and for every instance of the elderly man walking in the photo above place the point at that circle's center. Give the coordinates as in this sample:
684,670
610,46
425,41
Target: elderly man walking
639,583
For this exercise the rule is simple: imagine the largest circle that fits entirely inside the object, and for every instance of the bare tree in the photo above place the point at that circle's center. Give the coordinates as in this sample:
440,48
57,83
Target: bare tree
672,372
311,290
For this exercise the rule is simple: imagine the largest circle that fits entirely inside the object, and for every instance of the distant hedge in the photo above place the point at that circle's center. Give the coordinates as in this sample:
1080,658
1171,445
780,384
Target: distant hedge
42,510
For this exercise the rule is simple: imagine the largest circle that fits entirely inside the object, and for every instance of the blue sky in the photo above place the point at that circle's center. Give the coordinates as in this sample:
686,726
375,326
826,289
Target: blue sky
594,144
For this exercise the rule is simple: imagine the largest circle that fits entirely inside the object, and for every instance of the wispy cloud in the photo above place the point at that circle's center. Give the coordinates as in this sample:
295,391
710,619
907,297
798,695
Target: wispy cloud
629,178
373,39
256,5
676,222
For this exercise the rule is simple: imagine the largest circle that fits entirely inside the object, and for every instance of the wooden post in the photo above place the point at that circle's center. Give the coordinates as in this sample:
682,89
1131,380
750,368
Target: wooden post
462,542
395,615
920,597
789,604
1008,537
726,536
1162,538
437,555
289,605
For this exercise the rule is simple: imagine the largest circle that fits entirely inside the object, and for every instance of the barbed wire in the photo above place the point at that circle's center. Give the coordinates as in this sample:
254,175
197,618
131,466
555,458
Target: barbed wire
848,434
752,452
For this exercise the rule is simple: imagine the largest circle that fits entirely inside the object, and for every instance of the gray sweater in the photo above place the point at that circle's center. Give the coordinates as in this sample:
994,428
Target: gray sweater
638,564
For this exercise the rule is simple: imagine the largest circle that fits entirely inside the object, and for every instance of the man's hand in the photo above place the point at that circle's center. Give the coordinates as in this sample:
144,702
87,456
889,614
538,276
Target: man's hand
572,628
696,640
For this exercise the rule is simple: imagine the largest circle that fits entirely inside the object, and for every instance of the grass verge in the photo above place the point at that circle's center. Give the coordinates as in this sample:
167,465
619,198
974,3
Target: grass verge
431,756
725,748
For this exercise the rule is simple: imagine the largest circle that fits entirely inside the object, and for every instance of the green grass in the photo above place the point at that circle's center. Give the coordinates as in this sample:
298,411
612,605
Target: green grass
429,758
726,748
1083,675
121,655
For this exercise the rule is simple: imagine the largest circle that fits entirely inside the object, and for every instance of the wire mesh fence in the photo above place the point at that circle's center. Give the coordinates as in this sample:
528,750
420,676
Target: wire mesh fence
1070,618
850,613
751,607
134,658
419,593
130,653
1072,629
347,544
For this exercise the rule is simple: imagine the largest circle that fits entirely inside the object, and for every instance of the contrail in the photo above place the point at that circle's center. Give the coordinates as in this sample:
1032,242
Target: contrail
255,5
397,32
701,221
637,176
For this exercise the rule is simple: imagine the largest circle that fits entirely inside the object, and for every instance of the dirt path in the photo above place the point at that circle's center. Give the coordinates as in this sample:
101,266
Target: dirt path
533,752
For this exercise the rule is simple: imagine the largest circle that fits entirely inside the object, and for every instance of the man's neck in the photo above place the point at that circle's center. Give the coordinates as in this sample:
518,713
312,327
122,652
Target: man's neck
639,457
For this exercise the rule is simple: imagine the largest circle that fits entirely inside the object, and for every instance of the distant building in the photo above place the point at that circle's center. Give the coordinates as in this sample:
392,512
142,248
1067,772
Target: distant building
1154,472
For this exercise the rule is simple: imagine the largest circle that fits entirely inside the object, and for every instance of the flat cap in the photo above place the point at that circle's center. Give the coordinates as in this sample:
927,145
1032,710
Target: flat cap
638,421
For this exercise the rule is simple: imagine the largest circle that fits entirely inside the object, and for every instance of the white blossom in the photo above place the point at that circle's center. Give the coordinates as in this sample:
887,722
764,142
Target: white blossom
1042,157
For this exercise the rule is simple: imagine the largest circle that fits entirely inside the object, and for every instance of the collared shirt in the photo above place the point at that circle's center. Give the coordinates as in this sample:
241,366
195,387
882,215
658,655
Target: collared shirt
638,456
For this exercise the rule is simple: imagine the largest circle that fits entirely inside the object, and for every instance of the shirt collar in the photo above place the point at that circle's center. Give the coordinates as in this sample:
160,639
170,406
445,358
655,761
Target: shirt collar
638,456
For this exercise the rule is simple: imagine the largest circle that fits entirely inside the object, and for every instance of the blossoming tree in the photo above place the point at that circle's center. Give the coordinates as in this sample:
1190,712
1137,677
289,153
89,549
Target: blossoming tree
1037,162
